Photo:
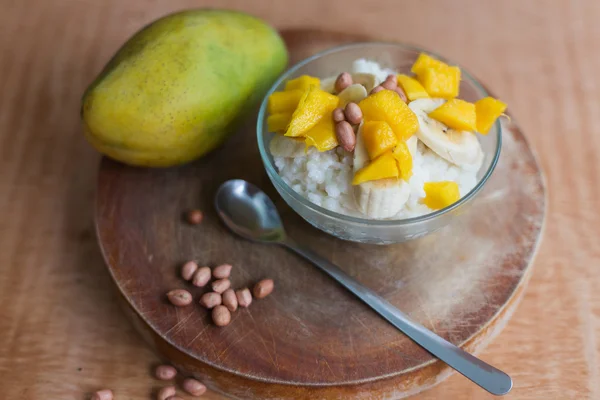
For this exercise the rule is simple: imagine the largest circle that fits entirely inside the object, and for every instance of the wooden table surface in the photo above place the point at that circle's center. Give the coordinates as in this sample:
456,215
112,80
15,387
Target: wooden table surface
62,333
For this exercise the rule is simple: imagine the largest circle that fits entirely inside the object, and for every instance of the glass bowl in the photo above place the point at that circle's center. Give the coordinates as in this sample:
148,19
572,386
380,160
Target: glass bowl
399,57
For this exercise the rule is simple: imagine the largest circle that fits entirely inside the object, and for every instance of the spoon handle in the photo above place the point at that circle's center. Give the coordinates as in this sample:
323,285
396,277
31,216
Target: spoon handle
489,378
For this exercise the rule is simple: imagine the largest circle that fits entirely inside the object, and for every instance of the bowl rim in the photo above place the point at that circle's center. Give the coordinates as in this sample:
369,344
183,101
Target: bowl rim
278,181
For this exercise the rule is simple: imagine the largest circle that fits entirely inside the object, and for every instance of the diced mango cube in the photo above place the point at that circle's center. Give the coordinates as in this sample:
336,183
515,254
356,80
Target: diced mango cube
426,61
441,81
280,102
387,106
278,122
378,137
404,160
456,114
314,105
413,89
322,135
440,195
488,110
302,83
382,167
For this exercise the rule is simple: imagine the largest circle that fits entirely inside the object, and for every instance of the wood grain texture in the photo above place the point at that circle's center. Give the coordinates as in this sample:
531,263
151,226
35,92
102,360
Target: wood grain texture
62,334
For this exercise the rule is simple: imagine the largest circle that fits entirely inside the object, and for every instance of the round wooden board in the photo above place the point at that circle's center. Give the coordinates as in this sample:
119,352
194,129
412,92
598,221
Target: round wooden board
311,338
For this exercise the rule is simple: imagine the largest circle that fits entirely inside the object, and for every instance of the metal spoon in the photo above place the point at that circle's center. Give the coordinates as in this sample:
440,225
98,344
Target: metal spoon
249,212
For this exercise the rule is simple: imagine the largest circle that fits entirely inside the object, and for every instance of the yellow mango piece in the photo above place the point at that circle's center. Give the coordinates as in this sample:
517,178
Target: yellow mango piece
280,102
387,106
314,105
488,110
278,122
426,61
413,89
440,195
382,167
322,135
456,114
302,83
404,160
441,81
378,137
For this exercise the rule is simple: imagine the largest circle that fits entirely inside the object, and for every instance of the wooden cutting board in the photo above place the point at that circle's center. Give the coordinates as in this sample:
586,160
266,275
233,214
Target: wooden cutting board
311,338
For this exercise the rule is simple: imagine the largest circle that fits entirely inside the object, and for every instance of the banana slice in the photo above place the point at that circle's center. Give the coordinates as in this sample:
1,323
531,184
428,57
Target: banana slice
328,84
378,199
352,94
281,146
461,148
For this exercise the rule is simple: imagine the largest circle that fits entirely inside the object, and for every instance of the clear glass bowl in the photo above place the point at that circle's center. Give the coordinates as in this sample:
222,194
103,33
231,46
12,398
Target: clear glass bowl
399,57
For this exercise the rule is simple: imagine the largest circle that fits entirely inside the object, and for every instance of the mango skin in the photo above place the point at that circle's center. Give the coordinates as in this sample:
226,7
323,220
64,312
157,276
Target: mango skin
178,88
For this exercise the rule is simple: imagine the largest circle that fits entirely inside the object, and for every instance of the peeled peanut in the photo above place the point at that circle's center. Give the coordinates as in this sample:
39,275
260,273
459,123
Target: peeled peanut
221,316
165,393
343,81
263,288
230,300
211,299
104,394
401,93
345,135
221,285
201,277
188,270
165,372
193,387
244,297
222,271
338,115
377,89
179,297
353,113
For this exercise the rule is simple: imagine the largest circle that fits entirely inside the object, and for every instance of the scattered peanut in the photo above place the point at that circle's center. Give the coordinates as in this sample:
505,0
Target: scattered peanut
377,89
244,297
179,297
165,372
222,271
263,288
389,85
345,135
193,387
221,285
165,393
221,316
353,113
201,277
188,270
211,300
343,81
392,78
338,115
194,217
104,394
401,93
230,300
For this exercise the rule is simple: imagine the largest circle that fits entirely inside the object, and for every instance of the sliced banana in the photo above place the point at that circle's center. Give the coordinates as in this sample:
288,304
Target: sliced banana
281,146
378,199
412,145
352,94
328,84
461,148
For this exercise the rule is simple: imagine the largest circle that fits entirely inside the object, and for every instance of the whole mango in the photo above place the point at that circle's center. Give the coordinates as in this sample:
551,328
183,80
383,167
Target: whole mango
180,86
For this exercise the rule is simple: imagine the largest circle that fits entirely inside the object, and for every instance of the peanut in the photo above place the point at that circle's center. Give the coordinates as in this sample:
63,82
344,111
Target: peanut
222,271
343,81
211,300
345,135
165,372
392,78
165,393
193,387
229,300
188,270
221,285
179,297
353,113
338,115
244,297
104,394
201,277
377,89
401,93
263,288
221,316
195,217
